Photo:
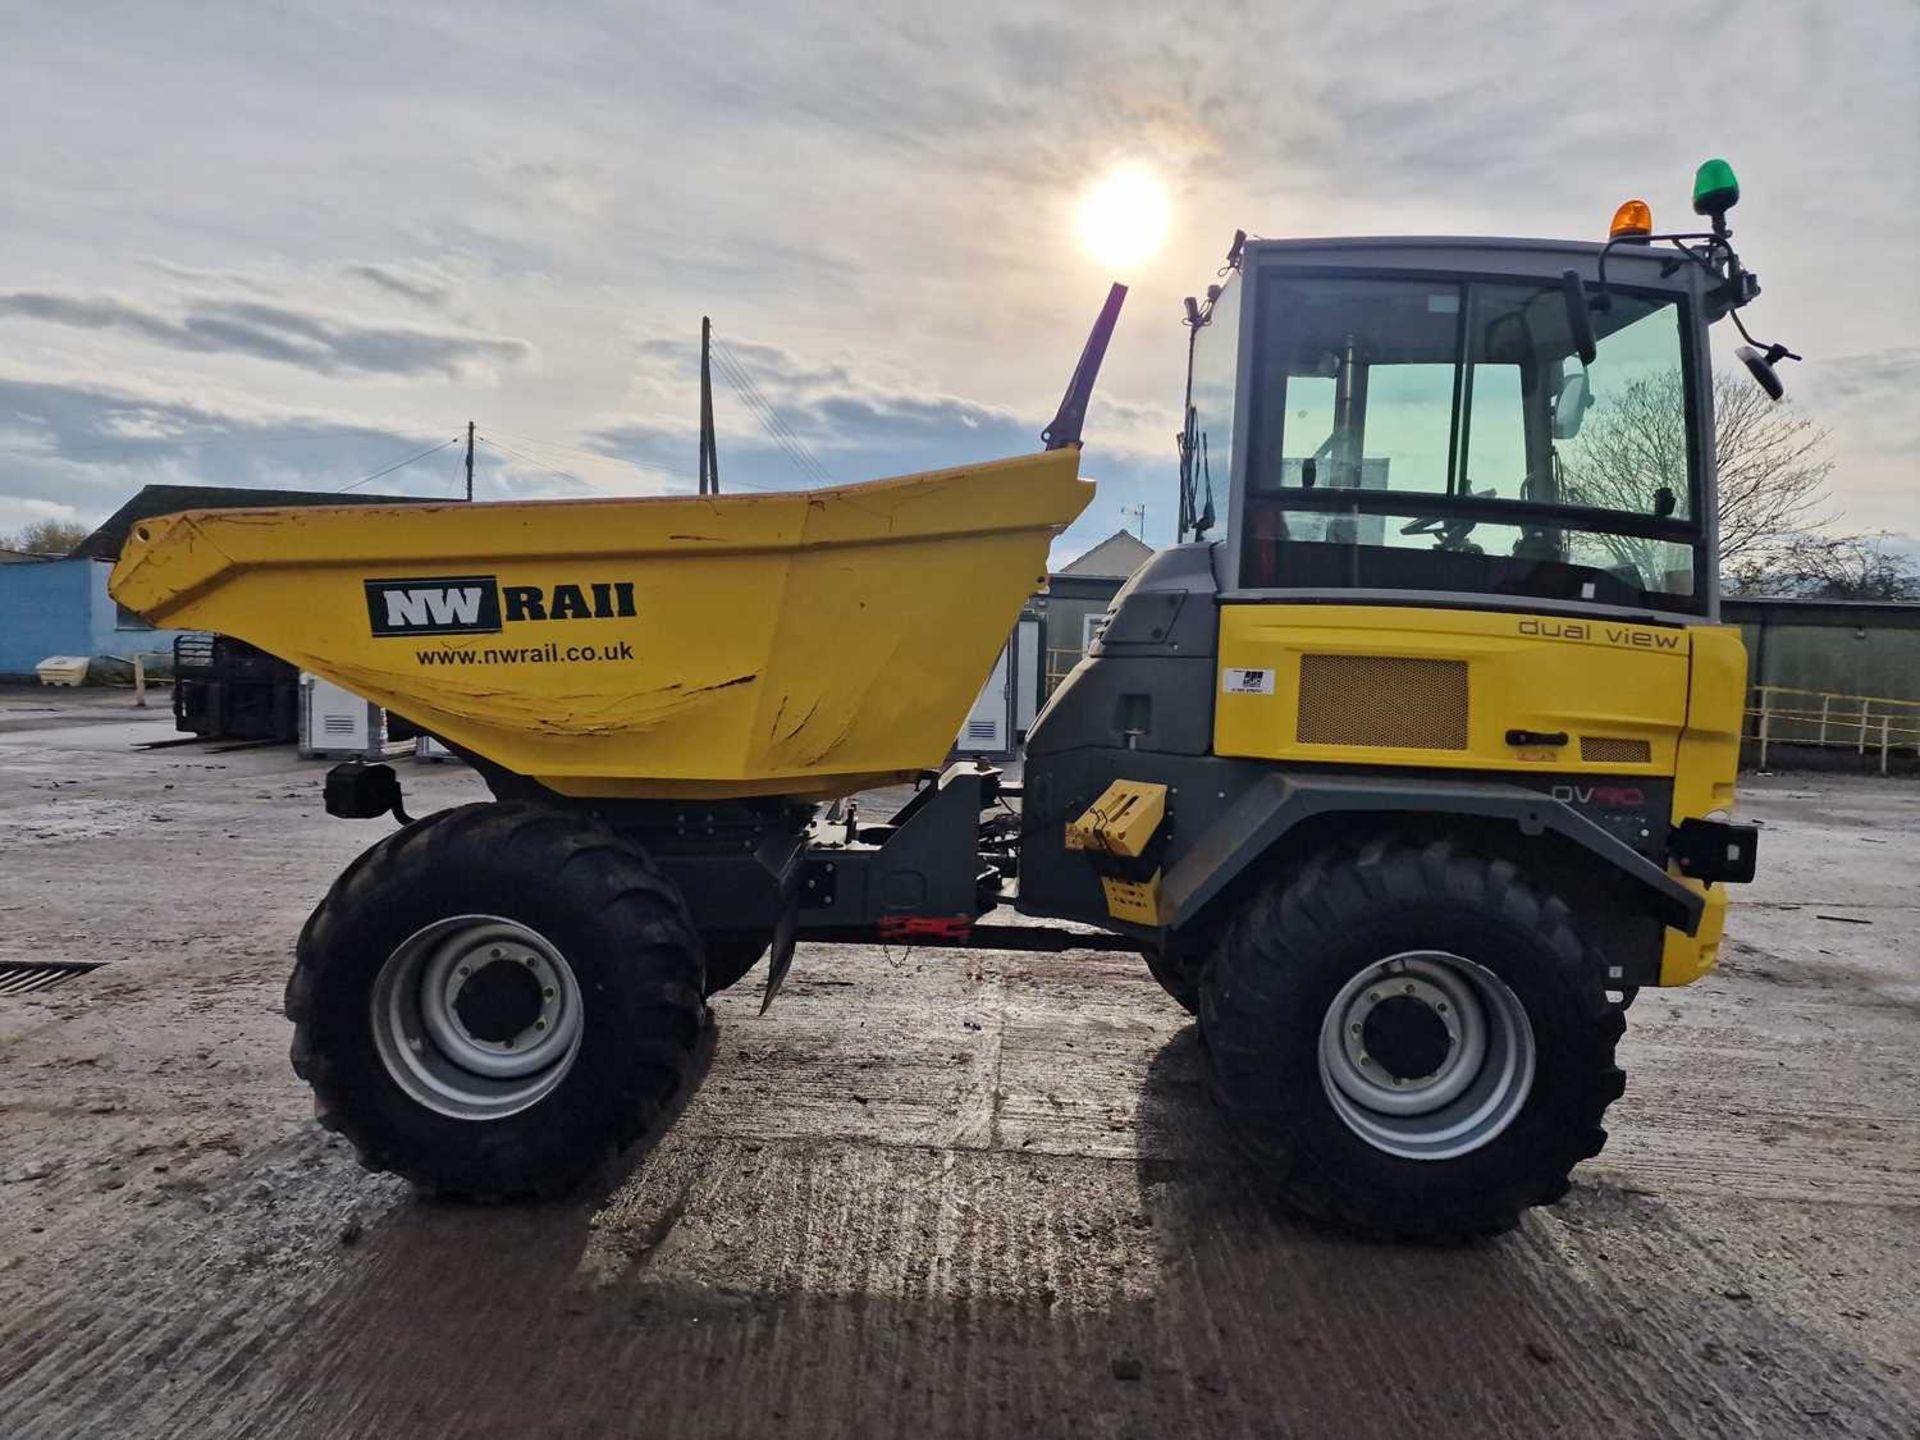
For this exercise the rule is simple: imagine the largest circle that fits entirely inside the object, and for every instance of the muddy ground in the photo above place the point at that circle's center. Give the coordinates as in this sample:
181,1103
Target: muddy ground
936,1194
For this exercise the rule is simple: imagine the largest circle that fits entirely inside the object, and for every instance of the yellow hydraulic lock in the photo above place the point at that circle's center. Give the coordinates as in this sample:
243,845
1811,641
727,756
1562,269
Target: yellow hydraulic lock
1122,821
1121,832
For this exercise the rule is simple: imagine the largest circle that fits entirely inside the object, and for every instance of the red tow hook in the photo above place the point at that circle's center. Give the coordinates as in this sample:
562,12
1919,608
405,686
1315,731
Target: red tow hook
924,927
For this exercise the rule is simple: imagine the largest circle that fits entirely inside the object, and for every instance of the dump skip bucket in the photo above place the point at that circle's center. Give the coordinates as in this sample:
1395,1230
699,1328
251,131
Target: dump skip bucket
808,643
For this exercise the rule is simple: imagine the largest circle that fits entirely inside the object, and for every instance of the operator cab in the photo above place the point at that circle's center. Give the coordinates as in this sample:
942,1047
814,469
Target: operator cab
1494,423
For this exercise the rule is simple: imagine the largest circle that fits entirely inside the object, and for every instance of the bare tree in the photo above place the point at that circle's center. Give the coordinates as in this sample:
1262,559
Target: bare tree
1826,567
1773,462
47,537
1772,466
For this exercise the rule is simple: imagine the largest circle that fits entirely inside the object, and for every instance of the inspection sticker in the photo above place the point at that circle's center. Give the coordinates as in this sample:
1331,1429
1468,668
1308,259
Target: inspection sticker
1246,682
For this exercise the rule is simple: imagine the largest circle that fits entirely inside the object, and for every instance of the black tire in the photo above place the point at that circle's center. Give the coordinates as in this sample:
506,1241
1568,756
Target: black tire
730,955
1287,960
1177,967
620,926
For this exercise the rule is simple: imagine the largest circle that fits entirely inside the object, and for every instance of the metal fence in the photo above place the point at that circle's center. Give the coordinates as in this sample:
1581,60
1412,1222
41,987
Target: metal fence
1865,724
1060,664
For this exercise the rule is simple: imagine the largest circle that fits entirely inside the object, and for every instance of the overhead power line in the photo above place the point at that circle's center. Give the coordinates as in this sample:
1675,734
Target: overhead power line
206,440
526,459
783,435
601,456
399,464
648,466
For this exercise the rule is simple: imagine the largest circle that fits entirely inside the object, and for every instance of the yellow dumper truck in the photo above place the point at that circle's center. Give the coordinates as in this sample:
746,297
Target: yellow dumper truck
1404,769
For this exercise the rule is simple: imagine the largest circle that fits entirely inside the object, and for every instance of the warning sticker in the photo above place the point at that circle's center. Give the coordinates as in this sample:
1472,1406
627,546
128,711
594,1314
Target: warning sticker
1246,682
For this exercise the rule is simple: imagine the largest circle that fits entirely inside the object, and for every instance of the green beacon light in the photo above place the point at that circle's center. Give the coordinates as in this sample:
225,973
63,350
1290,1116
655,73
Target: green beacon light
1715,190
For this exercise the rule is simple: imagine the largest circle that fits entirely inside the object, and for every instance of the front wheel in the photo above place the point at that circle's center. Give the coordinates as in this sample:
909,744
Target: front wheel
731,954
1176,965
495,999
1411,1041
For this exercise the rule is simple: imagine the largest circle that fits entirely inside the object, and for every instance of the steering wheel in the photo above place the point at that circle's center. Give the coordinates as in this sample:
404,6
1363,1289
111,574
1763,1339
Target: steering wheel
1448,528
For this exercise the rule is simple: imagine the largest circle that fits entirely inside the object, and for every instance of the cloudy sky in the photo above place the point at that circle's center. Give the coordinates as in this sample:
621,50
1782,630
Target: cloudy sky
291,244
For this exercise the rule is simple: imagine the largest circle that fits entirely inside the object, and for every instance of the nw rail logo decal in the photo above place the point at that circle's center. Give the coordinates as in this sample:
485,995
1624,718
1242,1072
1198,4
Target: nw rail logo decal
456,605
477,604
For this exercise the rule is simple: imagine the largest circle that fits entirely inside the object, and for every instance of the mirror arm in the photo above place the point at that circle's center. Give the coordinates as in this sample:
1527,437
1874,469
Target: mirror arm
1604,301
1579,321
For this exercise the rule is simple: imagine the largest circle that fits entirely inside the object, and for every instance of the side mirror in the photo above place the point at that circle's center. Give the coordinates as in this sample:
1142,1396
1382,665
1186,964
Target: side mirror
1761,368
1570,406
1579,321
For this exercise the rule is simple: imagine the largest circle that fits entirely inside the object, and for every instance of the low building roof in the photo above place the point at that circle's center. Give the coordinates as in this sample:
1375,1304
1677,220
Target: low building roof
105,543
1120,554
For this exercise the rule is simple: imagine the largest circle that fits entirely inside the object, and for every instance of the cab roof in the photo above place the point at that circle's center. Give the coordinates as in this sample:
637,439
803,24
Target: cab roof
1646,266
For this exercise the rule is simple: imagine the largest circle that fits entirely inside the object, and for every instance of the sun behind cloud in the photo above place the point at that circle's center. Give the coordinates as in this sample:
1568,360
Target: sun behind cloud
1124,218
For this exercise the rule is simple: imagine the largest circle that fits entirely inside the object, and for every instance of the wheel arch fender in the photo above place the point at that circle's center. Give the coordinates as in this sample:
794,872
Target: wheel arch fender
1277,805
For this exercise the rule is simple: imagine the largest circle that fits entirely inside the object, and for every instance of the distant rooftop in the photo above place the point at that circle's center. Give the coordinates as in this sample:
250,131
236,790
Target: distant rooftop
1118,556
105,543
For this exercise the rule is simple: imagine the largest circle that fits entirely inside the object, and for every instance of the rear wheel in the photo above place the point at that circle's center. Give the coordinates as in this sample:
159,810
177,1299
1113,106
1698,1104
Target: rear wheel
495,999
1411,1041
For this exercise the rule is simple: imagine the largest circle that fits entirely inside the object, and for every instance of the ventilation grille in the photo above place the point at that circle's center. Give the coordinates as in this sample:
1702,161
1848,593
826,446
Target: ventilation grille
1384,700
193,651
1606,750
983,730
336,724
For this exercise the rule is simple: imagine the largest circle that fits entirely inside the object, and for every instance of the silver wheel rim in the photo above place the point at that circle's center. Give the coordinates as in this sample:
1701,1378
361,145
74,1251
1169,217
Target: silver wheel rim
1467,1098
427,1047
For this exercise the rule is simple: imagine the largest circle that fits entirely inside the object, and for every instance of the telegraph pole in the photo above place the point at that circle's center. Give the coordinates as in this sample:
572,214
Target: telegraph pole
469,462
709,455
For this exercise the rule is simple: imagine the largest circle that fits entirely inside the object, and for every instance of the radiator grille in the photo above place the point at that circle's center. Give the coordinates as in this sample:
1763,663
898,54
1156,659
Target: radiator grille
1386,700
1607,750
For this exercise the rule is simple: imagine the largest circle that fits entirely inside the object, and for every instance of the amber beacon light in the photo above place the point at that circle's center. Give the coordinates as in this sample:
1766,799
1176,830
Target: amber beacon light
1632,221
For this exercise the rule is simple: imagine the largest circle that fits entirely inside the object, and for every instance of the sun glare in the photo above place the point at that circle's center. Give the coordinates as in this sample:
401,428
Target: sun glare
1124,219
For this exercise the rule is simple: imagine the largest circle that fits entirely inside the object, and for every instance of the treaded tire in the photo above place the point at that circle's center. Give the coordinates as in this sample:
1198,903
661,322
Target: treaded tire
1286,957
623,930
1177,969
730,955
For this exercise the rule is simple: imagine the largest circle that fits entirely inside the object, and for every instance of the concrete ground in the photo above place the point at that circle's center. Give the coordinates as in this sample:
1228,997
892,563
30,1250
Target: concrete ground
939,1194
